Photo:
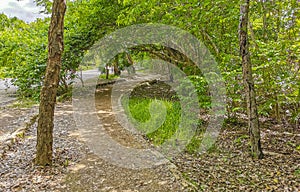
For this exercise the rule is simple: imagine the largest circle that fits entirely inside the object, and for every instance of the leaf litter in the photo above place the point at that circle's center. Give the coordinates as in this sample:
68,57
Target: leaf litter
226,167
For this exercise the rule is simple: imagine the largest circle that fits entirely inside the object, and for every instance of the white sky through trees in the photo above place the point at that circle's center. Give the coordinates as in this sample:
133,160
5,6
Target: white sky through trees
23,9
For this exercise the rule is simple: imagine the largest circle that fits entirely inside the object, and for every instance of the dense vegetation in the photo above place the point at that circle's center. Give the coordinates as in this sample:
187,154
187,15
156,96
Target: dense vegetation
274,44
256,46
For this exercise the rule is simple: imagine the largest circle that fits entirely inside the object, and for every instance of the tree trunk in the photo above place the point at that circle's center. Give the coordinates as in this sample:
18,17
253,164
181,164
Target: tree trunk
253,121
49,89
131,63
265,24
116,66
107,71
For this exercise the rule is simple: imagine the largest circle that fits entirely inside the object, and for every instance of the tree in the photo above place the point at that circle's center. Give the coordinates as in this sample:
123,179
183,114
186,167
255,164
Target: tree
49,89
253,121
23,55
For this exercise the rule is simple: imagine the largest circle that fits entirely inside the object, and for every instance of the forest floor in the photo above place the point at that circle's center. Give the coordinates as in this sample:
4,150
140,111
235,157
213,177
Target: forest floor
226,167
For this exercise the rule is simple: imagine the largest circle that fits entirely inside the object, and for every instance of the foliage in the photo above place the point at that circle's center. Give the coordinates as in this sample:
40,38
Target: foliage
110,76
23,54
274,38
201,89
274,45
85,23
23,46
276,49
5,21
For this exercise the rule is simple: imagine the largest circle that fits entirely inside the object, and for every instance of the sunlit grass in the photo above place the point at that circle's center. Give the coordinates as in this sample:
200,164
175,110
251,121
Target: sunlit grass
110,76
138,111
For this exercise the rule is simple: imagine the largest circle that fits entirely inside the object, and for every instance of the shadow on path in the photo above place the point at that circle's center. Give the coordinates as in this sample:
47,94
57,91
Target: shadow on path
95,174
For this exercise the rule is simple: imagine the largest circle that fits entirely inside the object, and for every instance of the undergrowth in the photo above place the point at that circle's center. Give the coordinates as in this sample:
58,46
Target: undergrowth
157,128
110,76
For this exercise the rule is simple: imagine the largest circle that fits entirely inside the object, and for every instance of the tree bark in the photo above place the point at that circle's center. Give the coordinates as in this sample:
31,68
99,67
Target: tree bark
107,72
131,63
49,89
116,66
253,121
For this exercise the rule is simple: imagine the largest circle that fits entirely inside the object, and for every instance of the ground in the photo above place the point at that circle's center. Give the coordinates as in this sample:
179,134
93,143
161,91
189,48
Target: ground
225,167
7,91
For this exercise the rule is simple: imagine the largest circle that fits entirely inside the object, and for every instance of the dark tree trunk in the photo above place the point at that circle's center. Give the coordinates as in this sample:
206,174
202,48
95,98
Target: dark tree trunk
253,121
130,61
49,89
116,66
107,71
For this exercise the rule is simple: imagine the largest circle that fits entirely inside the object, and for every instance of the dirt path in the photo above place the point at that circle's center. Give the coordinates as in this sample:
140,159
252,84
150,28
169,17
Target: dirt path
7,92
13,118
226,167
95,174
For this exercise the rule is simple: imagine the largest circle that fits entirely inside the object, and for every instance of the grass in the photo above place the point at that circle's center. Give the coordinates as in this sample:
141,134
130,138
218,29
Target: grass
86,67
297,173
159,120
110,76
241,138
138,110
24,103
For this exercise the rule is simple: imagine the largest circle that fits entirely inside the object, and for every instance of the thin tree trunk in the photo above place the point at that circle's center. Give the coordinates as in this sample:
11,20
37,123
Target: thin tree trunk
265,24
107,72
253,121
116,66
130,61
49,89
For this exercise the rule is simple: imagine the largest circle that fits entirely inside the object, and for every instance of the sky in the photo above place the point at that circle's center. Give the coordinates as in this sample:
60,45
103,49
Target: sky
23,9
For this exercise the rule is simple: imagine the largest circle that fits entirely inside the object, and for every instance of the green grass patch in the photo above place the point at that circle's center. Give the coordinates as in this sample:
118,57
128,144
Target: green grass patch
110,76
142,119
297,173
241,138
86,67
160,120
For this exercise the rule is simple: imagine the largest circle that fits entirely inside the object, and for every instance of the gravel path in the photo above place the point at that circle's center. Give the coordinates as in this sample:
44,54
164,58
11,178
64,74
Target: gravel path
95,174
7,92
76,168
225,167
